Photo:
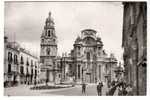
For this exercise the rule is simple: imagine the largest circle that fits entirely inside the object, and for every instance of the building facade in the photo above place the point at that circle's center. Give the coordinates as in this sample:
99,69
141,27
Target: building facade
87,62
135,45
48,52
90,59
20,66
29,72
11,63
65,64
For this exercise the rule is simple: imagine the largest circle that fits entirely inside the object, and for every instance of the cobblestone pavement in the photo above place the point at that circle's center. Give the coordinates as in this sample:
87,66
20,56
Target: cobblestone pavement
24,90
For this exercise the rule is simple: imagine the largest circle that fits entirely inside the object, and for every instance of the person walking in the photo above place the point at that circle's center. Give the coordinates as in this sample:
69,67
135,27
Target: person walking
99,88
120,91
83,88
129,90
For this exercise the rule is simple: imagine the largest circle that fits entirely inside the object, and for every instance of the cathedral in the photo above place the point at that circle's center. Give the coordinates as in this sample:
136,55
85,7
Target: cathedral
91,61
87,62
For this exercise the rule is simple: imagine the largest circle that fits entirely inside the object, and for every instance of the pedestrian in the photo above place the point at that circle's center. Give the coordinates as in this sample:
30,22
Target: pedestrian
120,91
83,88
112,89
129,90
99,88
124,91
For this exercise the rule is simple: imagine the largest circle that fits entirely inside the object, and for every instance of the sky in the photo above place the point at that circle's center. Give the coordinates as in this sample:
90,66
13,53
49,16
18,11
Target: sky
24,23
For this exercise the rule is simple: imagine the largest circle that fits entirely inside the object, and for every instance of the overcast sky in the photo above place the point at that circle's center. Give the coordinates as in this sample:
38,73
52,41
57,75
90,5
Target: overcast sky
24,22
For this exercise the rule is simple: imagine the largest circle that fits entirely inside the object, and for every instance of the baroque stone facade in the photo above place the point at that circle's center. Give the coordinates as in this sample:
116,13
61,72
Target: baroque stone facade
135,45
91,61
88,62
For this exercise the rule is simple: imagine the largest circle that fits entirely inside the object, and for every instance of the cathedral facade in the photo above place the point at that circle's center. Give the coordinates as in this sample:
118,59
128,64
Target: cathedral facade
88,62
91,61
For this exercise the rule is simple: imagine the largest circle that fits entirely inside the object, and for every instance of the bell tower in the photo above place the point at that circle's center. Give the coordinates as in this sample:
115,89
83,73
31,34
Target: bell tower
48,51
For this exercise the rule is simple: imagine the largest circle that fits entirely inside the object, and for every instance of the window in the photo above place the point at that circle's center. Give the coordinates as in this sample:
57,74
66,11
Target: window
22,60
42,40
21,69
79,48
15,59
35,65
88,55
31,62
49,33
9,68
59,76
100,71
82,71
32,72
79,71
27,62
9,56
48,51
35,72
70,68
106,68
99,48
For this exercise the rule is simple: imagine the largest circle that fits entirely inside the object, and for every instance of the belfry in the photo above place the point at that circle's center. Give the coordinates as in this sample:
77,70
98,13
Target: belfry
48,51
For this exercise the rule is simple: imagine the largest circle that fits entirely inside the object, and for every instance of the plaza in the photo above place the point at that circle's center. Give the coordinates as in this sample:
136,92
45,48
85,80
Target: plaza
86,49
24,90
